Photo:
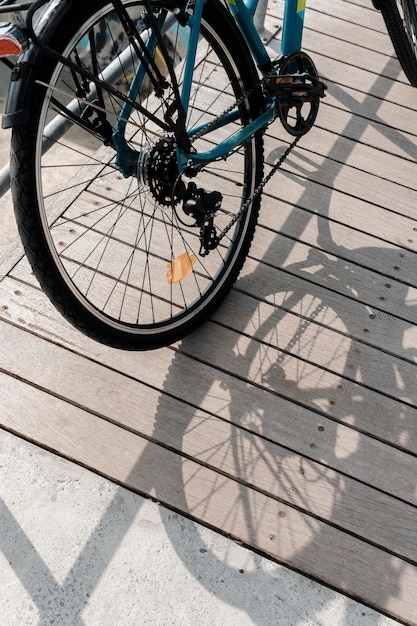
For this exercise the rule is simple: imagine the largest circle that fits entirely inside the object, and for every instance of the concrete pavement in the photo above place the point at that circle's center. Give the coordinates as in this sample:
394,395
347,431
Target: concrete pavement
77,550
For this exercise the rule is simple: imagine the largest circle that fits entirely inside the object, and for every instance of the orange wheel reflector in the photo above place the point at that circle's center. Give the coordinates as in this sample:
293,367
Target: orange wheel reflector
9,47
180,267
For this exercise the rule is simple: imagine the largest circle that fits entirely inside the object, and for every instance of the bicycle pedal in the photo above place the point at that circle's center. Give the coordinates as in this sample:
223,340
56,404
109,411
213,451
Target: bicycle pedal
297,87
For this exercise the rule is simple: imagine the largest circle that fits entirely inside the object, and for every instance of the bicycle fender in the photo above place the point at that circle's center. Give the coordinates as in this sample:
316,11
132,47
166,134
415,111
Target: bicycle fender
23,75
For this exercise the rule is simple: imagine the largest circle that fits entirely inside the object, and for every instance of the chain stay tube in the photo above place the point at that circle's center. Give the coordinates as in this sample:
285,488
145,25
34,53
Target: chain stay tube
224,149
292,36
243,16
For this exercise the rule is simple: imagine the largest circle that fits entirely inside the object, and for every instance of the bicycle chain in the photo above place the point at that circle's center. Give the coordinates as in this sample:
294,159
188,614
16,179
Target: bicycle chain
231,108
259,189
267,178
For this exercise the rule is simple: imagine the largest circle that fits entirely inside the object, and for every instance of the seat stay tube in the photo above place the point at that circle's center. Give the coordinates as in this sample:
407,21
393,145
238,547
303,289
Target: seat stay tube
243,12
135,87
194,22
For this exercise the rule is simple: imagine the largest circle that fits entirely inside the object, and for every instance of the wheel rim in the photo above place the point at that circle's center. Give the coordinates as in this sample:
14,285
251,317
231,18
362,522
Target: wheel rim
115,244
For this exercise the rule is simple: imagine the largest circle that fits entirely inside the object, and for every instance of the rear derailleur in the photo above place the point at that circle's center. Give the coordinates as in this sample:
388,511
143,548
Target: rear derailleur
298,91
202,206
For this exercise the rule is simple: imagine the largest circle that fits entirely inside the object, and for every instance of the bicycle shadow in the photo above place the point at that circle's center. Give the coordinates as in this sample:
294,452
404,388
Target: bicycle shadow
266,366
334,269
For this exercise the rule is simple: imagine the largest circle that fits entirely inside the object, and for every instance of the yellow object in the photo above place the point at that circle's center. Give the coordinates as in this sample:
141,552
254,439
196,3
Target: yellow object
180,267
301,5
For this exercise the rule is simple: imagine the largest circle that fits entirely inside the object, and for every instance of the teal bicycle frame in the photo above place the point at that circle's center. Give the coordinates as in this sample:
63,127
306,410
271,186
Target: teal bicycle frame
243,11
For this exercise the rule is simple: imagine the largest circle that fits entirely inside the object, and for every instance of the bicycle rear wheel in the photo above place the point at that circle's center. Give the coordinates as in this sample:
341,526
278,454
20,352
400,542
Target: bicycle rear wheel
400,17
118,256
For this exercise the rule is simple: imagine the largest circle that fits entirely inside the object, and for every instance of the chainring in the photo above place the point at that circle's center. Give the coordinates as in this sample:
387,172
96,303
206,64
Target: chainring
298,112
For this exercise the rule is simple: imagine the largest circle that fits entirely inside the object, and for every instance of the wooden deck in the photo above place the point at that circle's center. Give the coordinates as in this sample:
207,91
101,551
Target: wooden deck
289,421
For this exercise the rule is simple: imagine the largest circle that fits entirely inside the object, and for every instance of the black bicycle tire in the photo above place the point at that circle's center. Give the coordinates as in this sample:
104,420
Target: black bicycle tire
30,223
400,34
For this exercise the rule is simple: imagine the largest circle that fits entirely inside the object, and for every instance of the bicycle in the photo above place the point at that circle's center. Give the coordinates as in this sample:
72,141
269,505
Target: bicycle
400,17
159,109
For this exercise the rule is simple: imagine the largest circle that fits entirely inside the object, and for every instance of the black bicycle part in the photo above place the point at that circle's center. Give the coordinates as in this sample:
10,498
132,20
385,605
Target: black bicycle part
298,91
400,18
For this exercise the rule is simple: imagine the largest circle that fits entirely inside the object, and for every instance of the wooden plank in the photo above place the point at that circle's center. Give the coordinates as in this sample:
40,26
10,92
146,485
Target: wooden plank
365,286
11,256
388,117
361,25
253,363
354,55
339,309
342,314
372,248
348,459
330,171
354,12
371,134
350,153
316,305
305,382
194,433
340,398
355,67
297,294
322,392
335,557
336,215
381,87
